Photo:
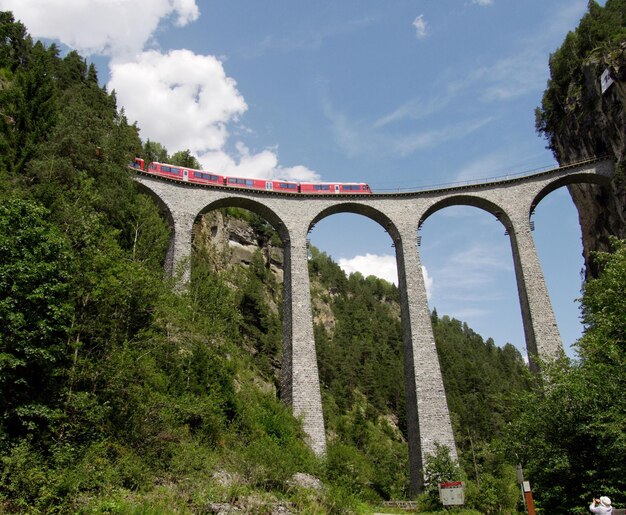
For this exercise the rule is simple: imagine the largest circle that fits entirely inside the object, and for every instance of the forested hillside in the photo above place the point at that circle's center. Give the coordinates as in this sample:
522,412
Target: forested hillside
359,347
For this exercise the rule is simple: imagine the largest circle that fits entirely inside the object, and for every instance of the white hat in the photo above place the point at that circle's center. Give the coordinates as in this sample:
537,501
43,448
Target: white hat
605,501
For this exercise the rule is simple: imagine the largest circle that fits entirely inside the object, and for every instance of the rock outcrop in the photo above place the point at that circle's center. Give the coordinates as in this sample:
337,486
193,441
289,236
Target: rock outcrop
233,241
594,125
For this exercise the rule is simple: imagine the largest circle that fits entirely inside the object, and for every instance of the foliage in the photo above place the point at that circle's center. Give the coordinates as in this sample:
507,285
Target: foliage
439,467
360,361
599,33
570,436
35,313
186,159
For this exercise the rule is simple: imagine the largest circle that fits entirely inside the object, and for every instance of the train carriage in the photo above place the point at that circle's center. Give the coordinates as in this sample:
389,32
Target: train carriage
334,188
262,184
201,177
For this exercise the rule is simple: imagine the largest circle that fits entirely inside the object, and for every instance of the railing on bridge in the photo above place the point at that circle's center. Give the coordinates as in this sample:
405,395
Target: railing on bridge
488,180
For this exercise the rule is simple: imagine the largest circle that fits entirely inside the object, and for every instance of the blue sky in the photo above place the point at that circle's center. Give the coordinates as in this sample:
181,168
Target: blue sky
400,94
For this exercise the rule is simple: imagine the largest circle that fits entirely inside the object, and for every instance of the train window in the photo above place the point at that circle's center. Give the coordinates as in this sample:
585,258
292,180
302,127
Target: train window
286,185
321,187
244,182
207,176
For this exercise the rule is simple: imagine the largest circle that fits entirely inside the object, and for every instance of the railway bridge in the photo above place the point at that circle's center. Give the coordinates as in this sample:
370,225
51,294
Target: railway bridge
510,200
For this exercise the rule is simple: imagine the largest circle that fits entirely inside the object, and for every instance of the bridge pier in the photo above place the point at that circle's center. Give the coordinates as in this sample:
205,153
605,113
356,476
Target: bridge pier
428,418
543,339
179,251
300,386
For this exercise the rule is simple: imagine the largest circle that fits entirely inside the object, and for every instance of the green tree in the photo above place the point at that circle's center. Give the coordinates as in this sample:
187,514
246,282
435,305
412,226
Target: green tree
184,158
35,312
570,435
153,151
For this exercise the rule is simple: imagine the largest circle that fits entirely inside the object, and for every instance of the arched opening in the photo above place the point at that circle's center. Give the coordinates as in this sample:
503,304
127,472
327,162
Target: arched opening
557,233
238,249
478,328
466,253
165,212
359,345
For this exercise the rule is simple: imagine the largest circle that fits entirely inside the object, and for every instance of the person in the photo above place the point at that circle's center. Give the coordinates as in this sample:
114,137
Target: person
602,505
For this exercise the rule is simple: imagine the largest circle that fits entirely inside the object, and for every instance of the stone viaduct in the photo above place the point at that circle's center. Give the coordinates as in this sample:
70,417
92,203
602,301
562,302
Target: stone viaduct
511,201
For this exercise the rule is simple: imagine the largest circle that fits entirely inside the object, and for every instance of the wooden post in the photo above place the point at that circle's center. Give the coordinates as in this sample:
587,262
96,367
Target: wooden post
528,498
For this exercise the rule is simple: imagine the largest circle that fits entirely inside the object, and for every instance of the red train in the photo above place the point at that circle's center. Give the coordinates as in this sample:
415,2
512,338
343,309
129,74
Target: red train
180,173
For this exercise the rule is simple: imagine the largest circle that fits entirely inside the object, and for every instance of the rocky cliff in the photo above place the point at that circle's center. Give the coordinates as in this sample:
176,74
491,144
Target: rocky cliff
595,125
580,121
234,240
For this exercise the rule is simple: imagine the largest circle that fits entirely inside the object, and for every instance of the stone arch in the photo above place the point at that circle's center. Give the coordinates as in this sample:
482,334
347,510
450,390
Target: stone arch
166,212
427,416
251,205
577,178
472,201
359,209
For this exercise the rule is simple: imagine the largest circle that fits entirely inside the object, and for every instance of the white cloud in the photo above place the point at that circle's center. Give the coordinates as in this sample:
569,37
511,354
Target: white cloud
180,99
104,27
264,164
428,282
383,266
482,2
421,27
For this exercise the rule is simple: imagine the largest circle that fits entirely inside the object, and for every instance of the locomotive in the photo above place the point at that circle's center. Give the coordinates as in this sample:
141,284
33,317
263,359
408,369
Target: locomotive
180,173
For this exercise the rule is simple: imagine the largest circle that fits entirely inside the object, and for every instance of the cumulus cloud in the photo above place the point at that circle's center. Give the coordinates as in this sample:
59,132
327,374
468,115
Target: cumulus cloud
119,28
428,282
482,2
421,27
185,101
263,164
383,267
181,99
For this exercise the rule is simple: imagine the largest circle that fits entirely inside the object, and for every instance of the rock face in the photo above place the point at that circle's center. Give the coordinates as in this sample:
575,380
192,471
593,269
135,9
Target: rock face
595,125
233,241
